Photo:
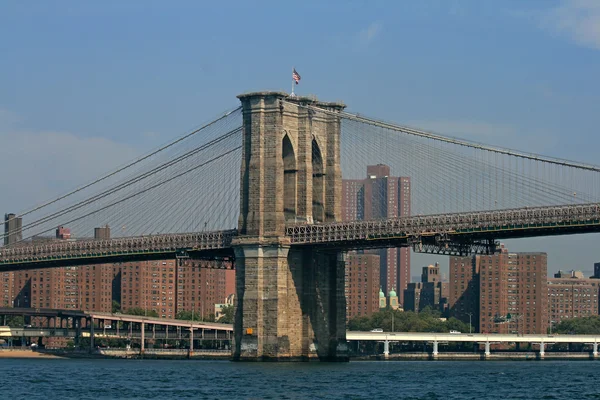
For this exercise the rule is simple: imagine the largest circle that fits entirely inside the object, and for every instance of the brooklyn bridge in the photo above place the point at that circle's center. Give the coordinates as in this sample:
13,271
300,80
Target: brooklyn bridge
261,188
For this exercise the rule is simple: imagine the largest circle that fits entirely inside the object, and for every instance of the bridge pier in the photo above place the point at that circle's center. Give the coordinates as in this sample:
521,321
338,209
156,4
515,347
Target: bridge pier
290,304
143,338
487,350
435,352
386,349
595,351
542,350
191,352
290,300
91,335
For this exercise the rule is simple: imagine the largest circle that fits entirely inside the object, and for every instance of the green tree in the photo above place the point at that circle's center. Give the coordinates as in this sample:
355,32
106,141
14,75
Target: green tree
116,306
188,315
227,315
579,326
428,320
15,321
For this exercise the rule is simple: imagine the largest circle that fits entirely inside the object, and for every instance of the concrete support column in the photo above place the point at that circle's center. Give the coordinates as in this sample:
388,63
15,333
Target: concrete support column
386,348
542,350
435,349
92,333
142,344
595,351
77,326
487,350
191,342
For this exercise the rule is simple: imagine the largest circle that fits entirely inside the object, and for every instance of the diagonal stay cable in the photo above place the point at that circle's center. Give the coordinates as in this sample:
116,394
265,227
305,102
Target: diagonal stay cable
456,141
137,161
147,189
131,181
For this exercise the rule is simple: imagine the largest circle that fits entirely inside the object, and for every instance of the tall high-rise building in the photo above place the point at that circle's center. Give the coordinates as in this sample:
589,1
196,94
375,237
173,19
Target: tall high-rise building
512,291
533,292
570,295
7,287
102,233
376,197
498,290
463,301
96,287
200,286
430,292
150,285
596,271
362,284
22,289
12,229
51,288
161,286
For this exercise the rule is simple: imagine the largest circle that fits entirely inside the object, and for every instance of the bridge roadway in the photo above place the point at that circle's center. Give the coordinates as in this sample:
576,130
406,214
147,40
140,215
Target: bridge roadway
482,338
222,332
112,317
469,337
183,333
458,233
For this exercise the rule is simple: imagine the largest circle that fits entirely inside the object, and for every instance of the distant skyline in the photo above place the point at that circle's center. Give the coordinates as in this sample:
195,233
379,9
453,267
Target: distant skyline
86,86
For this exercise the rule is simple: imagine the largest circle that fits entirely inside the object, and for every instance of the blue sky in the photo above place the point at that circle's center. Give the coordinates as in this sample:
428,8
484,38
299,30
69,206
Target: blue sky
85,86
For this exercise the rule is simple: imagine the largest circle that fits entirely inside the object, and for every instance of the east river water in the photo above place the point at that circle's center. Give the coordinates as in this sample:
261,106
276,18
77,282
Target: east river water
151,379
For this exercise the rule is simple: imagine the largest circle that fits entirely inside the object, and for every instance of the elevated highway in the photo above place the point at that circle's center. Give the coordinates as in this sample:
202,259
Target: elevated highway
435,339
466,337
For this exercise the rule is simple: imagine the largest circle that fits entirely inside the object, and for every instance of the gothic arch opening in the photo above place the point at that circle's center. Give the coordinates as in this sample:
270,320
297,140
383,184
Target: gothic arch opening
318,199
289,179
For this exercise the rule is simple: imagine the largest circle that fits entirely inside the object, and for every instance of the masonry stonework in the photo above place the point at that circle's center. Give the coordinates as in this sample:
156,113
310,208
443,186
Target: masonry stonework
290,302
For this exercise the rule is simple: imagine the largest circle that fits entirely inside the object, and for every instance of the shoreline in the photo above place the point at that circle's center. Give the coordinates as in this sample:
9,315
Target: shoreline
25,353
502,356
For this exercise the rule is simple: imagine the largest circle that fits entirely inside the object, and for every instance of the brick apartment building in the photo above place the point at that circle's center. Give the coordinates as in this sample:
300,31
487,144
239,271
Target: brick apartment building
379,196
150,285
362,284
493,288
430,292
199,287
570,295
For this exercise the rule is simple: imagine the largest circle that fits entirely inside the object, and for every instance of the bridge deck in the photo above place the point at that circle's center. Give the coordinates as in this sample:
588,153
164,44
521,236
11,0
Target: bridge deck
457,233
446,233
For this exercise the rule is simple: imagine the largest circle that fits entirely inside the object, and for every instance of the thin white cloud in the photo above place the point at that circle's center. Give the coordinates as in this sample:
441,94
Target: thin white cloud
40,165
577,19
367,35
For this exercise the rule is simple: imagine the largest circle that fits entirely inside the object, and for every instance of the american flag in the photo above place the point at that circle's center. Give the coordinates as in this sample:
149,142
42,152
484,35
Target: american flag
296,76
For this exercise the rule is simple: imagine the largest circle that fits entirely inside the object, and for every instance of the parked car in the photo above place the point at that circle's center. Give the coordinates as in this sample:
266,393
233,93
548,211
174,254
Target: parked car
377,330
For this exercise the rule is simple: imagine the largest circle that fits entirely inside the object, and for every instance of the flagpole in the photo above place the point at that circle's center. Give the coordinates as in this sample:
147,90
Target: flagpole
293,68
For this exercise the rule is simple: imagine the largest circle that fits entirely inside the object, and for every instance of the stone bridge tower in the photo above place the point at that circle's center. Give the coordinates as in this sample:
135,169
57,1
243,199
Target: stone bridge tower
290,300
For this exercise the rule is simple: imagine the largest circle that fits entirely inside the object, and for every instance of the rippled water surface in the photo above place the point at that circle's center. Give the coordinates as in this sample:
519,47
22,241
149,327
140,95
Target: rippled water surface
150,379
